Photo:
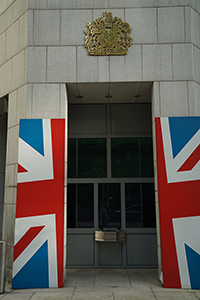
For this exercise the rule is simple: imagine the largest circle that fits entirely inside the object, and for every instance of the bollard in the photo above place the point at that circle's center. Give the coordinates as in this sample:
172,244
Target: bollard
3,248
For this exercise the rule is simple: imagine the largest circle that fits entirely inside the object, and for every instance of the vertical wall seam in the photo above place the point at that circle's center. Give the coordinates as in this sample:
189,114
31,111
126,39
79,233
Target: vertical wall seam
188,97
172,62
159,93
142,63
184,17
157,23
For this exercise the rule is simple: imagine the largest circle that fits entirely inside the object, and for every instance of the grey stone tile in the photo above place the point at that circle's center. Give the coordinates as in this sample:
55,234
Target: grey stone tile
155,100
61,4
143,24
172,290
80,277
92,294
181,2
61,64
148,3
91,68
73,24
36,64
197,294
6,78
193,94
30,28
183,68
171,25
3,6
143,279
100,4
131,293
64,109
127,67
99,13
46,27
157,62
84,4
2,48
9,224
192,26
17,296
124,4
164,3
49,107
37,4
197,64
12,39
12,145
19,72
22,103
20,7
174,100
175,296
9,261
196,5
10,195
51,295
115,277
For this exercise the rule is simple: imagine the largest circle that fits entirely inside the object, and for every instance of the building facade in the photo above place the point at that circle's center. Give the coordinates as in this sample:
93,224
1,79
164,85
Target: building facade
110,105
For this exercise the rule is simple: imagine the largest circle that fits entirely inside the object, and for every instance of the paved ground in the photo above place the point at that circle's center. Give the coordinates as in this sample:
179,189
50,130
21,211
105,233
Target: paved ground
107,284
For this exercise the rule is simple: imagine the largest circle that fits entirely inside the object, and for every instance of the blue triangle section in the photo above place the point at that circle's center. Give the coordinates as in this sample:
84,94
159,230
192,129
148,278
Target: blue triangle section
31,131
35,273
182,129
193,260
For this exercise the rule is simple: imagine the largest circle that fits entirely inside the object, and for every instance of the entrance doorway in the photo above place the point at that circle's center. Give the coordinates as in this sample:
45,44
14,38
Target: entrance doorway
110,185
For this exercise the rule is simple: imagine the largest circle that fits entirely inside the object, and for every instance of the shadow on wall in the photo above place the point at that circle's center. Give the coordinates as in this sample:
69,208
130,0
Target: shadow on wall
3,136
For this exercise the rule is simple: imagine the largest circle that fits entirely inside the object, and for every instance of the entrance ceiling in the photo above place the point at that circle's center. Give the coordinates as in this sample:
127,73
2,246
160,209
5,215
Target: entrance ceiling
139,92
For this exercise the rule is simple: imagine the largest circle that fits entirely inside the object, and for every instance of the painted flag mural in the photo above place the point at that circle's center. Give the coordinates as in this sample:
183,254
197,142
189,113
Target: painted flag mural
178,166
39,222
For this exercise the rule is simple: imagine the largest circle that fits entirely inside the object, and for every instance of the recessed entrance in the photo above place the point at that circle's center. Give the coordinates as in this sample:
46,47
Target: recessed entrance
110,176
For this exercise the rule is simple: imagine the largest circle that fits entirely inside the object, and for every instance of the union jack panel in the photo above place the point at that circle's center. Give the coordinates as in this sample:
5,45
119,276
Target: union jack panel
39,223
178,168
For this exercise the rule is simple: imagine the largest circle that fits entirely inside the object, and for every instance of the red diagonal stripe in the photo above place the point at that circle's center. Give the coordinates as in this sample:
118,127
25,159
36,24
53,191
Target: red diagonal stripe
21,169
191,161
26,240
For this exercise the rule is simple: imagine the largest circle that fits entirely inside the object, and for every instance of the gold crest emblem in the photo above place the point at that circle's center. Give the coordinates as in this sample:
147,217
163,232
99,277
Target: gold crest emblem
108,36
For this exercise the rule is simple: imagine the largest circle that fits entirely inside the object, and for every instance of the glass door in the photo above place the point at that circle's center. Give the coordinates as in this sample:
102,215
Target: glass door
110,186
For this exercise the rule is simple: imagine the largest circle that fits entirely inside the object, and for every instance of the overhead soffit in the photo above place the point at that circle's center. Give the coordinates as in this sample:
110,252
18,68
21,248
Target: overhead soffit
127,92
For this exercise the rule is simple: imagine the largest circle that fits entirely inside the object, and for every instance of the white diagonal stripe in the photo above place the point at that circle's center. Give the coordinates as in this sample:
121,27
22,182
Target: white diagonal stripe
173,164
39,167
48,233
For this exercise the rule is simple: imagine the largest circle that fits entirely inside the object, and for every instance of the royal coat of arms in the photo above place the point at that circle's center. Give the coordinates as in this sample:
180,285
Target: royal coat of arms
108,36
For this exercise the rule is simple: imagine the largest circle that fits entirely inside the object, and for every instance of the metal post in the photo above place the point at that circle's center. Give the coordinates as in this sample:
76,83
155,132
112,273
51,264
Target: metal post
3,248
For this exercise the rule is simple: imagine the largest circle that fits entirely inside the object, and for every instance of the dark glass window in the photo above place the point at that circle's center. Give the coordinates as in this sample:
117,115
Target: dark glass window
146,150
133,205
131,157
87,158
109,205
72,171
148,197
125,157
140,205
80,206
